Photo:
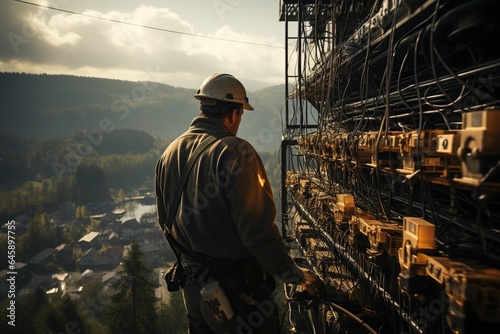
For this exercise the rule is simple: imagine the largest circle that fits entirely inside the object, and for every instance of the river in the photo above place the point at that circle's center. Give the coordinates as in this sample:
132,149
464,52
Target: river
135,209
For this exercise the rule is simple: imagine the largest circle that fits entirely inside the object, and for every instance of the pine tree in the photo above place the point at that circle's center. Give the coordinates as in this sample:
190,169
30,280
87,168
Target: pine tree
58,316
173,317
132,308
121,195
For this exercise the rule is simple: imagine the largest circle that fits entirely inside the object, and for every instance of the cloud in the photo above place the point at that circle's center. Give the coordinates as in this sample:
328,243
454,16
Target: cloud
48,41
246,59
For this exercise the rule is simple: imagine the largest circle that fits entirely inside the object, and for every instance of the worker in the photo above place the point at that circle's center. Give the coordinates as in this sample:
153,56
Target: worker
225,217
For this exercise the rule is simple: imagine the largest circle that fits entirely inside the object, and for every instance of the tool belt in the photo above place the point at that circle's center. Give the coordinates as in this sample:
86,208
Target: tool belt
243,278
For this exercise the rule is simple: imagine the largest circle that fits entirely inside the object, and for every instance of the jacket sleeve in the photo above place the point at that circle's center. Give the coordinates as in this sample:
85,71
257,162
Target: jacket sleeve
253,209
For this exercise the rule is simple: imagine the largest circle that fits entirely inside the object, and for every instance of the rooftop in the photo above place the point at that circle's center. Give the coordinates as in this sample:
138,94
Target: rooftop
89,237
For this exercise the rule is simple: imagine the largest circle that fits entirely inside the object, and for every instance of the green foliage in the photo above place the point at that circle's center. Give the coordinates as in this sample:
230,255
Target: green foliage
58,317
59,182
41,234
127,170
35,313
63,104
75,233
27,306
31,194
121,195
172,315
132,306
81,212
91,288
123,141
14,163
4,244
90,184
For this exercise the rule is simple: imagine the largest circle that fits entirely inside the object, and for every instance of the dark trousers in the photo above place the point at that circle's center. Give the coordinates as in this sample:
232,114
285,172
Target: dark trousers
260,318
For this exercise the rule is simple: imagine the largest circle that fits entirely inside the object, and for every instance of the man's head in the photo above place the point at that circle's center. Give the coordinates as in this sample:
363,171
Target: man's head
224,97
225,88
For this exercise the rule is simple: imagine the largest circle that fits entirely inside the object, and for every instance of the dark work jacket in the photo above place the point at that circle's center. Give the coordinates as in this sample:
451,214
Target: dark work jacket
227,210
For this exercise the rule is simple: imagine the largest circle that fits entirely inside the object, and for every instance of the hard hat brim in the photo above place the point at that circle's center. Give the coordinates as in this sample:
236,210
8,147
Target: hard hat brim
245,103
247,106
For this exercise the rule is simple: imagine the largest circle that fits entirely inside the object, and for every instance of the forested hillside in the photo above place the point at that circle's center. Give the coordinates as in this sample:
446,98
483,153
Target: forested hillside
75,168
53,106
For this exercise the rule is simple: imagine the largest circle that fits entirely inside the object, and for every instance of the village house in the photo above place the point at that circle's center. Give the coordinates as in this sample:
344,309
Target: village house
40,260
90,240
109,279
109,259
151,256
114,239
131,228
63,252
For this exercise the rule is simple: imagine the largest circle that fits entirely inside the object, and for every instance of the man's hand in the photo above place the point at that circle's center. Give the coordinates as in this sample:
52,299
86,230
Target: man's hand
312,284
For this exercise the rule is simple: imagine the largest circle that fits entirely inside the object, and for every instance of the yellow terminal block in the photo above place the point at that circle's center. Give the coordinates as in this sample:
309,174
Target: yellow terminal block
344,208
418,244
479,142
475,289
438,268
389,237
419,233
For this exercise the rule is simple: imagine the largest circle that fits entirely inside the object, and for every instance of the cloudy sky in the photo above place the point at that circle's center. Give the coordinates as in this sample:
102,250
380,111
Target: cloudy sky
186,40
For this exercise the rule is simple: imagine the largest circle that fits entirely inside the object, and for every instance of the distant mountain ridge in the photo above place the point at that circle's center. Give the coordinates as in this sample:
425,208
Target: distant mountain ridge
42,106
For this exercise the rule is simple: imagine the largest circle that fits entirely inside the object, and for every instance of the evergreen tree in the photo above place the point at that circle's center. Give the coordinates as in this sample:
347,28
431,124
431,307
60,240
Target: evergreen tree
172,315
121,195
90,184
81,212
59,316
27,307
132,307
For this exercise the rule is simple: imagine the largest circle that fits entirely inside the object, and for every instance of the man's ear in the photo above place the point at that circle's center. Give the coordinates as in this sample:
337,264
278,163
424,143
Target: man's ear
233,115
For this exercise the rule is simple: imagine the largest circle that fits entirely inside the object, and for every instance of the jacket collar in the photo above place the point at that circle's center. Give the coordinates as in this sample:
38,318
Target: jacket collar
203,124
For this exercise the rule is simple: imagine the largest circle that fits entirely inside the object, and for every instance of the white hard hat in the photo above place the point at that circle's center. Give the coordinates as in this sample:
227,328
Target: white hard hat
223,87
